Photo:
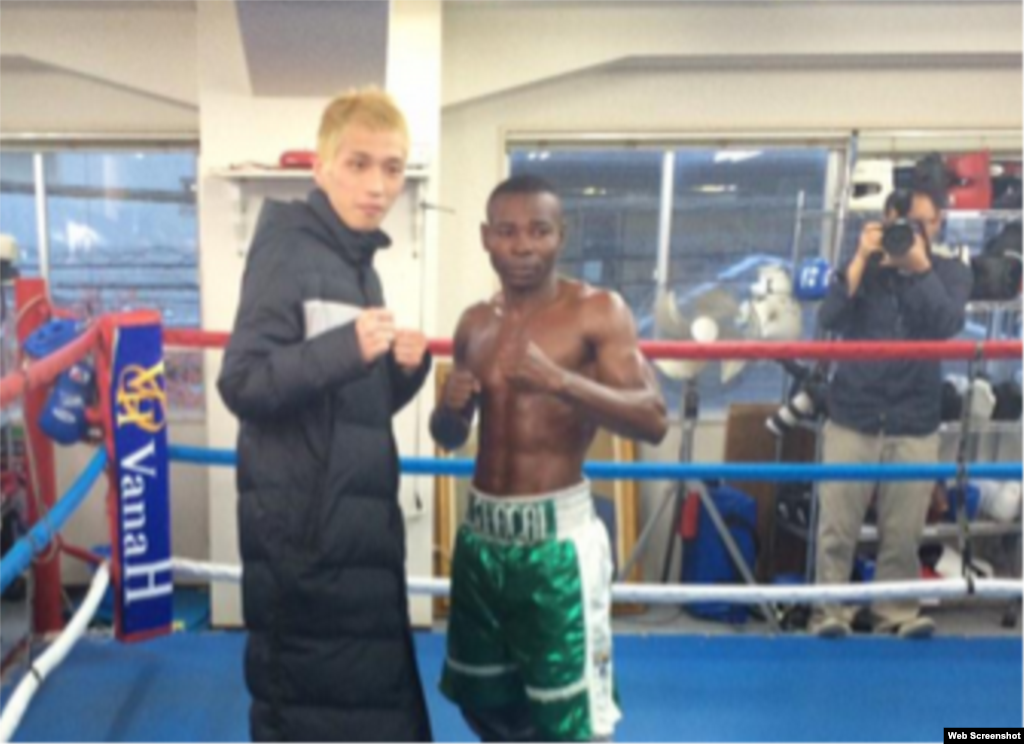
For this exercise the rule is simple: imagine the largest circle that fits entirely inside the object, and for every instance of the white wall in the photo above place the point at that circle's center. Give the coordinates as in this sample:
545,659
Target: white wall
98,67
664,68
494,47
72,104
237,127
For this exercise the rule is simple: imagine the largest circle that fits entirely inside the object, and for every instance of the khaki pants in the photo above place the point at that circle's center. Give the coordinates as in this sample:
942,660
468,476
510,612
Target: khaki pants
902,508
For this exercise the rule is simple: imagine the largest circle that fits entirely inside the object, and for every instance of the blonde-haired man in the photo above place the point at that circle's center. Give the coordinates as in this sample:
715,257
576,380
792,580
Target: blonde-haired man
315,370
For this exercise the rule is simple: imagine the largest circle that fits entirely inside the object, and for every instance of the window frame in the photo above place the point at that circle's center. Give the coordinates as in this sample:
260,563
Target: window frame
839,144
39,146
846,147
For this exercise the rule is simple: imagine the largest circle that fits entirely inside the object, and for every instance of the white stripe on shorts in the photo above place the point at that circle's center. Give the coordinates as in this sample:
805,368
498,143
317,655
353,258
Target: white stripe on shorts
559,693
470,670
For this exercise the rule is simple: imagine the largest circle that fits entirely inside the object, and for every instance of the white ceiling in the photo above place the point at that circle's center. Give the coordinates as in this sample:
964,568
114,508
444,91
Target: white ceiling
710,3
97,4
293,48
299,48
318,47
190,4
18,63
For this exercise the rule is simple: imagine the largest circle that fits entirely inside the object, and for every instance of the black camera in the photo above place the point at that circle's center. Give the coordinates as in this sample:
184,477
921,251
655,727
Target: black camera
808,398
898,232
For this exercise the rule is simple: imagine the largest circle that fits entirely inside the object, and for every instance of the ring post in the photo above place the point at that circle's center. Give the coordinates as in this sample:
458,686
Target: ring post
34,310
133,399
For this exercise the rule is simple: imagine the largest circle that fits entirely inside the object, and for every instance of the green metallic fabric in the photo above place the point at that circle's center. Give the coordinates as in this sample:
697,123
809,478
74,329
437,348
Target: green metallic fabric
517,625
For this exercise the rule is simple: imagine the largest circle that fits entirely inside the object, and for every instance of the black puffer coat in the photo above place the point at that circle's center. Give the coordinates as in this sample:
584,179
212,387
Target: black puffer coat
322,537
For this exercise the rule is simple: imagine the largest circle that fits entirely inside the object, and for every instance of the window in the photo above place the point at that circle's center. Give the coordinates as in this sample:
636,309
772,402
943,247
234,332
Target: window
611,204
732,210
17,207
17,219
121,234
733,207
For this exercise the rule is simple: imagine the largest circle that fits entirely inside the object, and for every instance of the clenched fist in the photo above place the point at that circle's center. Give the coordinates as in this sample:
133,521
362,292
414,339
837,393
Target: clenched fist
375,329
459,389
410,346
527,367
870,241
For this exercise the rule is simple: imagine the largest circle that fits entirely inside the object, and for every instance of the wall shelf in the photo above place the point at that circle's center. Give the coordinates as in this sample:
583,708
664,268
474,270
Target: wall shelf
255,181
417,171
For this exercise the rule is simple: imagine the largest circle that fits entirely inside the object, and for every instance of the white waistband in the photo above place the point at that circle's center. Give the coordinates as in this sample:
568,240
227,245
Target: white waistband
571,507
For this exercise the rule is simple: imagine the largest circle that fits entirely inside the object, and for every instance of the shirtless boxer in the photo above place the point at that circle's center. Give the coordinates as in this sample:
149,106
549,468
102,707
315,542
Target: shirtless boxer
547,362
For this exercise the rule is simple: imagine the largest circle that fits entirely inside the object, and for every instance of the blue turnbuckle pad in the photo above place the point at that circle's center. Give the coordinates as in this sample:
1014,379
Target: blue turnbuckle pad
51,336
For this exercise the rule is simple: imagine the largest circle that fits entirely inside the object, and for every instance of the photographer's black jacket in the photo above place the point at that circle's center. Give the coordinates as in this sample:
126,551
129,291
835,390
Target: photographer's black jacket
321,533
898,397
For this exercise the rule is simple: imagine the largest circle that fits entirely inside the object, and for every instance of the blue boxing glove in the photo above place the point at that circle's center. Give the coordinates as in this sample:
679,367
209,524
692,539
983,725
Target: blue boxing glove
812,279
64,418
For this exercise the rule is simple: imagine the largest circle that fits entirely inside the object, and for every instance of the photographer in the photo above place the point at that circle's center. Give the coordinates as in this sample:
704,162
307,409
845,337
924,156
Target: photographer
900,286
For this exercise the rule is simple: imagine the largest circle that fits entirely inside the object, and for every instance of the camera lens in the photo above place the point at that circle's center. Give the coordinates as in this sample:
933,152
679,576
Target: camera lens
897,238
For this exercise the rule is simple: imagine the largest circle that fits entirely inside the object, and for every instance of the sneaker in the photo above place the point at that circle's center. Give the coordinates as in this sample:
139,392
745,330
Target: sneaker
920,628
831,627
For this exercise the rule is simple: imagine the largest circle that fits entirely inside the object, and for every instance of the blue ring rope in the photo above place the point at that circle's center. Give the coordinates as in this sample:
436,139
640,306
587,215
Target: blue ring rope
771,471
20,556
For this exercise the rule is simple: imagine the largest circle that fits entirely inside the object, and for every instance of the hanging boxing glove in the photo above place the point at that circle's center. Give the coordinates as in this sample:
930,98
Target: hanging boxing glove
64,417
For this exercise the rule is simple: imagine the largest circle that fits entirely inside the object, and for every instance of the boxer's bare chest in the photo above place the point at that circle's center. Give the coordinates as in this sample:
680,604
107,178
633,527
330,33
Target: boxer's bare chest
556,329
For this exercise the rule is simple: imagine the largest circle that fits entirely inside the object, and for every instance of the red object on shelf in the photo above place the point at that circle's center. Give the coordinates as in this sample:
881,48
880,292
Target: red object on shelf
972,187
298,159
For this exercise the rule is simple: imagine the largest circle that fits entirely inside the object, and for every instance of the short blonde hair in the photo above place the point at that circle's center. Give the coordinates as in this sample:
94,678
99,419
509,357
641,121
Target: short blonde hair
370,106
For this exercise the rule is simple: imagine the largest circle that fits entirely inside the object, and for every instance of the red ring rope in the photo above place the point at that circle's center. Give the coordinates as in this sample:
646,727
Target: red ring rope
836,350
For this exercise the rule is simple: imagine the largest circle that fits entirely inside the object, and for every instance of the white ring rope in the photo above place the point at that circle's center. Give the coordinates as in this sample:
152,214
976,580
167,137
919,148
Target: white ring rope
205,570
54,655
686,594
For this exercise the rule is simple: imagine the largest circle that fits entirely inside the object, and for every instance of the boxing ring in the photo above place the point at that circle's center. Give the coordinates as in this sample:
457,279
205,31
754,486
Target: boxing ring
725,687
